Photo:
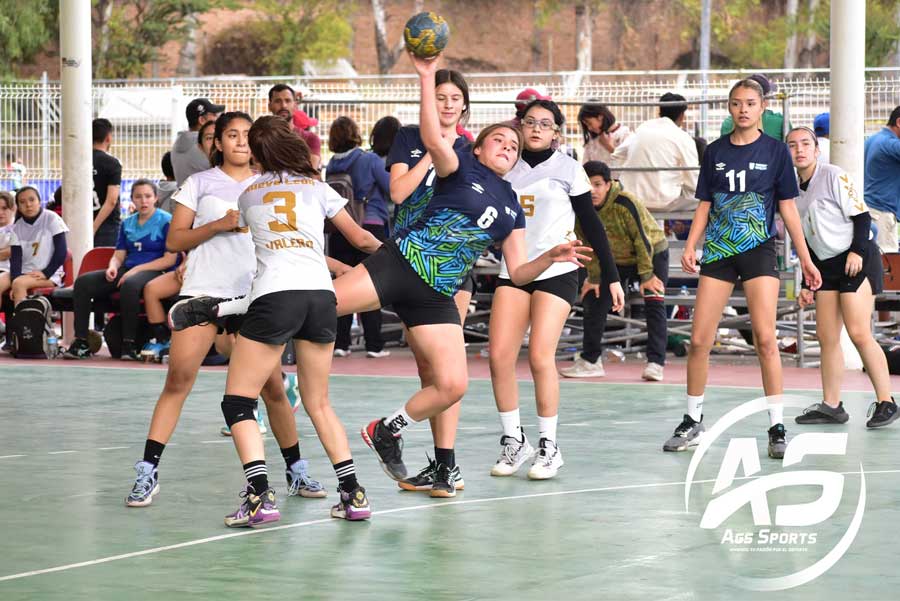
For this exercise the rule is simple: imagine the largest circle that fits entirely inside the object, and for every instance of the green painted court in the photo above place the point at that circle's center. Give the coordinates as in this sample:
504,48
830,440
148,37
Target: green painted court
611,526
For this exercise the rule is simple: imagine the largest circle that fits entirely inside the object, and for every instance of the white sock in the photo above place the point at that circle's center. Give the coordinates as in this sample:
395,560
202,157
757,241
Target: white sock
235,306
547,427
511,424
776,413
398,421
695,407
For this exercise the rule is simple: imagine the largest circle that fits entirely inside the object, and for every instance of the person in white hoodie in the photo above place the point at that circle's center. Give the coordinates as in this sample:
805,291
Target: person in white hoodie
187,158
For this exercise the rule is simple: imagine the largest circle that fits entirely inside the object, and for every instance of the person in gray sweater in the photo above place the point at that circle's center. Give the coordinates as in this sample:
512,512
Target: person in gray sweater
187,158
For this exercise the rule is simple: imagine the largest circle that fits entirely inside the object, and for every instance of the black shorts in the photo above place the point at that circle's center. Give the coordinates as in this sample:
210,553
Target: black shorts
468,284
398,285
745,266
278,317
834,277
565,286
227,324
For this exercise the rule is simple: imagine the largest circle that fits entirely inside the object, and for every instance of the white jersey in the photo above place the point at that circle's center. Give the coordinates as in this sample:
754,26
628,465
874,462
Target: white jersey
7,239
825,207
36,240
286,215
222,266
544,192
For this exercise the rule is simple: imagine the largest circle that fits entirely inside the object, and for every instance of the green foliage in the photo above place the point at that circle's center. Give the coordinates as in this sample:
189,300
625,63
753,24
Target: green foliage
25,29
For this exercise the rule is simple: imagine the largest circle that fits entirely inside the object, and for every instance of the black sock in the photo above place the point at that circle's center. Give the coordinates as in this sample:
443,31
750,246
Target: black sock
346,474
445,456
160,332
153,451
291,454
257,475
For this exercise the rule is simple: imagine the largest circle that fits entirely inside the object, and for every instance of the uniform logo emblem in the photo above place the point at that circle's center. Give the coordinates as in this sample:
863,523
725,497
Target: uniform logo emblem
720,166
477,187
758,166
415,153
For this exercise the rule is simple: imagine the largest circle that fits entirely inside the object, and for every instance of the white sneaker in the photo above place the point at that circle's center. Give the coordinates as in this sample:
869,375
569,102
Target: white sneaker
513,455
653,372
378,354
547,461
584,369
340,352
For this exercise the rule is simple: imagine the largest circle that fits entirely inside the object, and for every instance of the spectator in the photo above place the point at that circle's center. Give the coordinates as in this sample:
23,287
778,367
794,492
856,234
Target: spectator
372,183
140,257
882,181
661,142
822,127
107,184
167,185
382,136
526,97
15,171
641,253
771,123
187,158
602,135
283,102
7,215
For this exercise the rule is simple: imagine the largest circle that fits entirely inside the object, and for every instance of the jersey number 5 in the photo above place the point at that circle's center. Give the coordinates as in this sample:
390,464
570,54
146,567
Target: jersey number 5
527,202
286,209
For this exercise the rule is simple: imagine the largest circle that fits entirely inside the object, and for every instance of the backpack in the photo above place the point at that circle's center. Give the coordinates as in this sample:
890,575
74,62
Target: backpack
342,183
31,327
112,335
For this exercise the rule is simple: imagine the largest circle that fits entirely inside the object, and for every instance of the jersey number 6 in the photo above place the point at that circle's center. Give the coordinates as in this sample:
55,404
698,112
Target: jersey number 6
287,209
487,218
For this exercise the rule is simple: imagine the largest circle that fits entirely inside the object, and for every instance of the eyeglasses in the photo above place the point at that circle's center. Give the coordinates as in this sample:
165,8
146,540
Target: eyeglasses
539,125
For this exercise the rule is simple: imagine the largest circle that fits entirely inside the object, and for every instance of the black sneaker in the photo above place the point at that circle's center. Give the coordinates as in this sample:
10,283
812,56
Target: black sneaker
687,434
820,413
777,444
424,480
882,414
129,353
388,448
195,311
79,349
444,486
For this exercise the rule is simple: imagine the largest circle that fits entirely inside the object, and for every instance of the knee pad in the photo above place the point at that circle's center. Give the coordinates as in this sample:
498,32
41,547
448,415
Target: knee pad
237,409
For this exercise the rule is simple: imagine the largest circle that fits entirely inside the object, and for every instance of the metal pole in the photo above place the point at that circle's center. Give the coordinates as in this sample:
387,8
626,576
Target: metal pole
45,126
705,28
848,87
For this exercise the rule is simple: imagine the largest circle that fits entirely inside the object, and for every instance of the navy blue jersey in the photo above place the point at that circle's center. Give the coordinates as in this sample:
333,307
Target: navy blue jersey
144,243
470,209
408,148
744,184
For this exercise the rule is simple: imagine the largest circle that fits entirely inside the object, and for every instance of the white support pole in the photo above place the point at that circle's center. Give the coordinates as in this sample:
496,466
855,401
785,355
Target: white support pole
848,92
77,103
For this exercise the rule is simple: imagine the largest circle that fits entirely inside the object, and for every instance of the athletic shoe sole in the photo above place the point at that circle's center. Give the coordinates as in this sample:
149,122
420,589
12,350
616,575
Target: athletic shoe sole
820,421
145,502
442,494
371,445
460,485
684,447
883,424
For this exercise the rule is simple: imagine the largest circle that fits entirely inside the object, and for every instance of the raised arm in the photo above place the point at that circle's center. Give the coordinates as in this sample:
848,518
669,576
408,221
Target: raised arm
442,154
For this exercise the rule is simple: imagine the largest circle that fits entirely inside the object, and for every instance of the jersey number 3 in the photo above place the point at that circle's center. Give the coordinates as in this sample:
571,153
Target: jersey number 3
286,209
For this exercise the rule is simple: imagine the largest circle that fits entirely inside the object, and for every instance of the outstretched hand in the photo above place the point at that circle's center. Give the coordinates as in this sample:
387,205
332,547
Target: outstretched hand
425,67
570,252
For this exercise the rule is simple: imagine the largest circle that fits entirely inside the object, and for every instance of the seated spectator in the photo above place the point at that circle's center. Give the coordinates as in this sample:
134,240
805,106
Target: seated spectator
661,142
601,133
167,185
771,123
187,158
7,215
641,253
822,127
140,256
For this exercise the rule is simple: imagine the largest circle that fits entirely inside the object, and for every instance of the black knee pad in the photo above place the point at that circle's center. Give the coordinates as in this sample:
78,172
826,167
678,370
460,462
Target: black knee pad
237,409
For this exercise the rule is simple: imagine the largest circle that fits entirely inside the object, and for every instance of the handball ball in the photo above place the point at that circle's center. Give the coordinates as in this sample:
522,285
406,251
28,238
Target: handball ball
426,34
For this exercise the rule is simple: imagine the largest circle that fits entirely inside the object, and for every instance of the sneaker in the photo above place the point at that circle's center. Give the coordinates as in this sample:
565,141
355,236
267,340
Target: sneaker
79,349
254,510
653,372
129,353
154,351
513,455
193,311
378,354
444,486
777,444
342,352
388,448
300,484
424,480
8,347
687,434
226,431
882,414
146,484
94,341
352,506
547,461
292,389
584,369
820,413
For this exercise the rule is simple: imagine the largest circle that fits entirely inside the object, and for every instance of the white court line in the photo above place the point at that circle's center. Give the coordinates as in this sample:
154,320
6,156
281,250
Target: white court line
624,423
11,456
60,452
251,532
112,448
218,441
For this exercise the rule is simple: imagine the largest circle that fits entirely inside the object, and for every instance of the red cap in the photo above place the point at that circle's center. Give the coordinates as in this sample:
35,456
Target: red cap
528,95
303,121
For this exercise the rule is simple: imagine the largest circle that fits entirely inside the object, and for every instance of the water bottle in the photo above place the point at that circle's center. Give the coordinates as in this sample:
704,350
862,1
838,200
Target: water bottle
52,347
684,291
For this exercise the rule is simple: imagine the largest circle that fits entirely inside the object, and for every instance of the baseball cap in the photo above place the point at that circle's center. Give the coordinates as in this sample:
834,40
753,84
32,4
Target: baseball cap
528,95
763,81
303,121
822,124
201,106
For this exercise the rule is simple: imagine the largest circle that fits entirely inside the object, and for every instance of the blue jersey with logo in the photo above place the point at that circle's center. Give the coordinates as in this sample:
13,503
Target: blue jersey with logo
144,243
470,209
744,184
408,148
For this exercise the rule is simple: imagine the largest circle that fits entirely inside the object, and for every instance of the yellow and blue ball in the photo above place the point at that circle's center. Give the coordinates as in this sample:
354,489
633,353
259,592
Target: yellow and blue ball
426,34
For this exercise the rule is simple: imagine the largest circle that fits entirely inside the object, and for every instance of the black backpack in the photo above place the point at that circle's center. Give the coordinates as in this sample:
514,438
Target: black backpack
31,327
342,183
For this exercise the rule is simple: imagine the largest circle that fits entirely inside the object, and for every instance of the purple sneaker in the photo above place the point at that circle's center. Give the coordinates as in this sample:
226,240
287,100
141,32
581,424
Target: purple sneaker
353,506
254,510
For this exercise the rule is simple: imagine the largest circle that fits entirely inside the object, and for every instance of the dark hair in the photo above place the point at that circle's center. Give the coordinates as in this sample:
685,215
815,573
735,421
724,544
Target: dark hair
382,136
7,199
145,182
23,189
200,136
281,87
750,84
895,114
600,168
551,106
216,157
276,147
343,135
100,128
442,76
811,132
672,111
484,133
701,145
167,168
10,157
593,109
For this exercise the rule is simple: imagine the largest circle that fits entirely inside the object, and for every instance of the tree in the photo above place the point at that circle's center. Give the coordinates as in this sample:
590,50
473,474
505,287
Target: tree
792,50
583,38
306,30
25,29
388,56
